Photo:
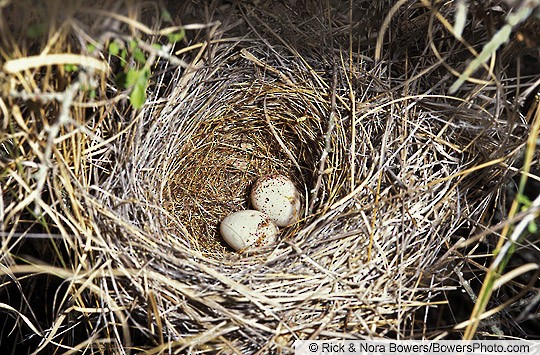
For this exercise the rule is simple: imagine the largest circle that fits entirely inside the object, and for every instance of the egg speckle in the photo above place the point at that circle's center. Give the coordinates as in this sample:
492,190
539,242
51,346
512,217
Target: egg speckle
248,228
278,198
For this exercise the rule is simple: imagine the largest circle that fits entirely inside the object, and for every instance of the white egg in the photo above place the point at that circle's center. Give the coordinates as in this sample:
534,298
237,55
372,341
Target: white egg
278,198
243,229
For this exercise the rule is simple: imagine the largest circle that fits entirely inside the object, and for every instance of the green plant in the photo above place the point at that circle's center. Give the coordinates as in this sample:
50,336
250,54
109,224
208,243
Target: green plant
500,37
136,72
136,59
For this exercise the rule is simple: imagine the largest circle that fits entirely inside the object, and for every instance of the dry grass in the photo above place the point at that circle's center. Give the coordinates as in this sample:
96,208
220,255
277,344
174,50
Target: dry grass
212,173
116,210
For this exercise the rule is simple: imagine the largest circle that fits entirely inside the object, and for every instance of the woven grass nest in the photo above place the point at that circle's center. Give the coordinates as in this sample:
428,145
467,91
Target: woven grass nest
392,171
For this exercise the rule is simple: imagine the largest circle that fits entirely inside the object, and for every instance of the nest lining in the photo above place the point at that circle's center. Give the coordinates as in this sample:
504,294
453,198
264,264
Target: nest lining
230,149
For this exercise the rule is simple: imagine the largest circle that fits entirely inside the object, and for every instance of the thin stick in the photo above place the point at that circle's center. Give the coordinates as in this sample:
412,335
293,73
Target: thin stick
327,143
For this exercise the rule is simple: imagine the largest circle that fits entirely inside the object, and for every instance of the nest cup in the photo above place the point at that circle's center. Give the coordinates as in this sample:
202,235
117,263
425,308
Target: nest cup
250,129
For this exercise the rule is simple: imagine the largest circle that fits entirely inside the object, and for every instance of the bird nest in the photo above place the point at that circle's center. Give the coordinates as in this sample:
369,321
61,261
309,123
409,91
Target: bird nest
387,172
380,187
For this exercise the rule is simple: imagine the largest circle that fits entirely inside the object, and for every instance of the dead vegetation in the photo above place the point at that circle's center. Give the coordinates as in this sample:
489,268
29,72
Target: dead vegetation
109,214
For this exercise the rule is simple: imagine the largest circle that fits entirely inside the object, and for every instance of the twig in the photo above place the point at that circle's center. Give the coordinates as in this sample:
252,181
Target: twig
327,143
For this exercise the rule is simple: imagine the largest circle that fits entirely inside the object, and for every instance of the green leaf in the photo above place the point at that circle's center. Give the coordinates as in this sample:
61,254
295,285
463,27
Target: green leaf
90,47
137,97
92,94
131,77
532,227
157,46
524,200
70,67
166,15
176,36
133,44
499,38
139,56
123,55
114,48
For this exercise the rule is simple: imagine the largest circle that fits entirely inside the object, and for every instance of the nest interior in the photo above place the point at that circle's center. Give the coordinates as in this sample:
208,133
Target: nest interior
393,172
254,129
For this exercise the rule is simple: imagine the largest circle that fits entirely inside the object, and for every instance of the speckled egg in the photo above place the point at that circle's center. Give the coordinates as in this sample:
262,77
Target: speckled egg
248,228
278,198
